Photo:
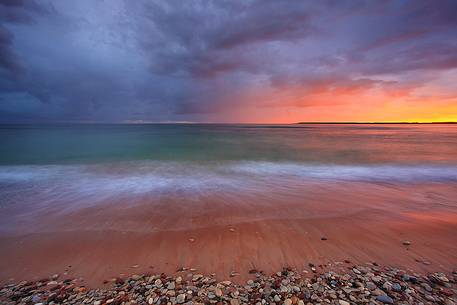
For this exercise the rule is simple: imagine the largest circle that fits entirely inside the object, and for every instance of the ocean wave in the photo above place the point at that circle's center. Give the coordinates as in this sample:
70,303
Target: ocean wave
40,190
406,173
148,175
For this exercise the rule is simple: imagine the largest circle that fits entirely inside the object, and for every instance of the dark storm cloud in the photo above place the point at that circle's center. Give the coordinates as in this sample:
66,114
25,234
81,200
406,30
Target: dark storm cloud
184,60
8,59
203,39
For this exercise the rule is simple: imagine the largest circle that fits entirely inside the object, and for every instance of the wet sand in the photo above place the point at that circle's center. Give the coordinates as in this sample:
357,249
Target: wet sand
361,223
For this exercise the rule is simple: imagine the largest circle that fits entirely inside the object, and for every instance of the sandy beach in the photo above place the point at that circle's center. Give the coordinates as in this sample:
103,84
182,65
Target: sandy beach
230,238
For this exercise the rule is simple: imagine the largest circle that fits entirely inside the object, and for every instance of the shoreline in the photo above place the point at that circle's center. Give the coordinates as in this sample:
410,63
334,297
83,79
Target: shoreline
409,226
268,245
343,283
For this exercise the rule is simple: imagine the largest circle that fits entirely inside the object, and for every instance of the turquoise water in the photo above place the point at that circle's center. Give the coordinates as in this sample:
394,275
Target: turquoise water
310,144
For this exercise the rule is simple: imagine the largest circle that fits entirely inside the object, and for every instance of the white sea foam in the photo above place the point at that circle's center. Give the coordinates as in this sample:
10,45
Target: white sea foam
144,177
85,185
401,173
39,190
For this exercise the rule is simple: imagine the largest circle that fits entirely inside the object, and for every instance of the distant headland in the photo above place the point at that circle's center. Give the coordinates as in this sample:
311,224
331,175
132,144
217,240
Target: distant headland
377,123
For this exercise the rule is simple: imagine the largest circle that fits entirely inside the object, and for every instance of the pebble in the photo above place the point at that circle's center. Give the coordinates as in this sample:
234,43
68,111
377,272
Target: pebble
181,298
218,292
385,299
406,242
371,286
234,302
376,279
430,298
427,287
36,299
287,302
396,287
286,287
387,286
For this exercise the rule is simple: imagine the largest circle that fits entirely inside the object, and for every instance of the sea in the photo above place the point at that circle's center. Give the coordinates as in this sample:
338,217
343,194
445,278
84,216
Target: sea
63,168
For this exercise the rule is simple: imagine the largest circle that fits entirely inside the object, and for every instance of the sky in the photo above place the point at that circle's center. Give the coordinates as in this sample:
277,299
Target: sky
246,61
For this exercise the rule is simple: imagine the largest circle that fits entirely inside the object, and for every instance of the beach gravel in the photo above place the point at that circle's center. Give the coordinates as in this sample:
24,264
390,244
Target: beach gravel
370,284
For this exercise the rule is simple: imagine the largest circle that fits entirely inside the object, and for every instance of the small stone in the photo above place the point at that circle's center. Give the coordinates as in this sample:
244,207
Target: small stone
396,287
218,292
211,295
442,278
427,287
232,230
171,285
277,298
371,286
191,240
181,298
387,286
376,279
55,276
234,302
342,302
301,302
385,299
36,299
430,298
406,242
378,291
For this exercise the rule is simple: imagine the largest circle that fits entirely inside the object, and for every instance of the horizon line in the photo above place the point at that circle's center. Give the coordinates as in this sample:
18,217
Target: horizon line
225,123
221,123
